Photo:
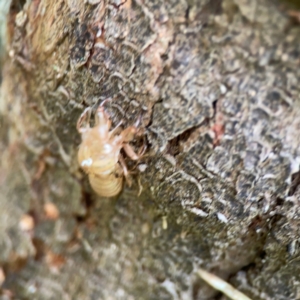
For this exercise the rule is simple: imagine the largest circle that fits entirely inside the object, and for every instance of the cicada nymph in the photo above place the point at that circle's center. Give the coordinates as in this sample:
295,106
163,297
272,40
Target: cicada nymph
99,152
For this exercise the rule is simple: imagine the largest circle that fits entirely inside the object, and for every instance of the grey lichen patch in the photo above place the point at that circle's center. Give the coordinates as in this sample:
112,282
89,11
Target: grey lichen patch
65,192
84,41
280,256
101,60
15,202
185,92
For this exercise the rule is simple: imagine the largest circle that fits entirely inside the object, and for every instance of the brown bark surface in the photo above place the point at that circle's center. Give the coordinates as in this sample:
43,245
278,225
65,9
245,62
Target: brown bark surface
217,86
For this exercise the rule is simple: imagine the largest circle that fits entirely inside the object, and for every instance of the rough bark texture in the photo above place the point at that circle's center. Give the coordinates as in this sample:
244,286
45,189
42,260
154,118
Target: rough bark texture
218,86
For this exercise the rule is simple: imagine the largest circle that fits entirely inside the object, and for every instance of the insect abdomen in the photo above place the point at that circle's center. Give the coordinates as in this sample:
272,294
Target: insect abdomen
106,186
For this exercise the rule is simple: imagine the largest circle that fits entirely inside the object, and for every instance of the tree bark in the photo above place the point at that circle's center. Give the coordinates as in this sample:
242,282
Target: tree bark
216,86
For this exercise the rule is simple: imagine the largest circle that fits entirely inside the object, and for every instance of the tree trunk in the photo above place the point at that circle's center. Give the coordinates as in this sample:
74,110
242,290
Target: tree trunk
215,85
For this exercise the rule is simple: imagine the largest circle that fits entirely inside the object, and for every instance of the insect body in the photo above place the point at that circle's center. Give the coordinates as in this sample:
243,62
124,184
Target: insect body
99,152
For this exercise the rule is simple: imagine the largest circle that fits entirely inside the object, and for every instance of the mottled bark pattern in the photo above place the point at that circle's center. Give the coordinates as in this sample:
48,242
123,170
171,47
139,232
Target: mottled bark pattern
217,85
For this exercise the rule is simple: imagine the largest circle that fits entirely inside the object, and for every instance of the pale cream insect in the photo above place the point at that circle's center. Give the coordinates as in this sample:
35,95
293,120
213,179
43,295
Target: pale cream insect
99,152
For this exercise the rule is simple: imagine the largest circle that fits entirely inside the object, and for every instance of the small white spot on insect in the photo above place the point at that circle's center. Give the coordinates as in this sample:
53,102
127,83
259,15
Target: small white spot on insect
106,172
87,162
107,148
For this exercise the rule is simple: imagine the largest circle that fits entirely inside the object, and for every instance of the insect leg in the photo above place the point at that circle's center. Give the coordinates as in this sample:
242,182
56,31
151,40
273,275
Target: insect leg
116,129
104,101
125,170
143,148
82,119
130,152
128,134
